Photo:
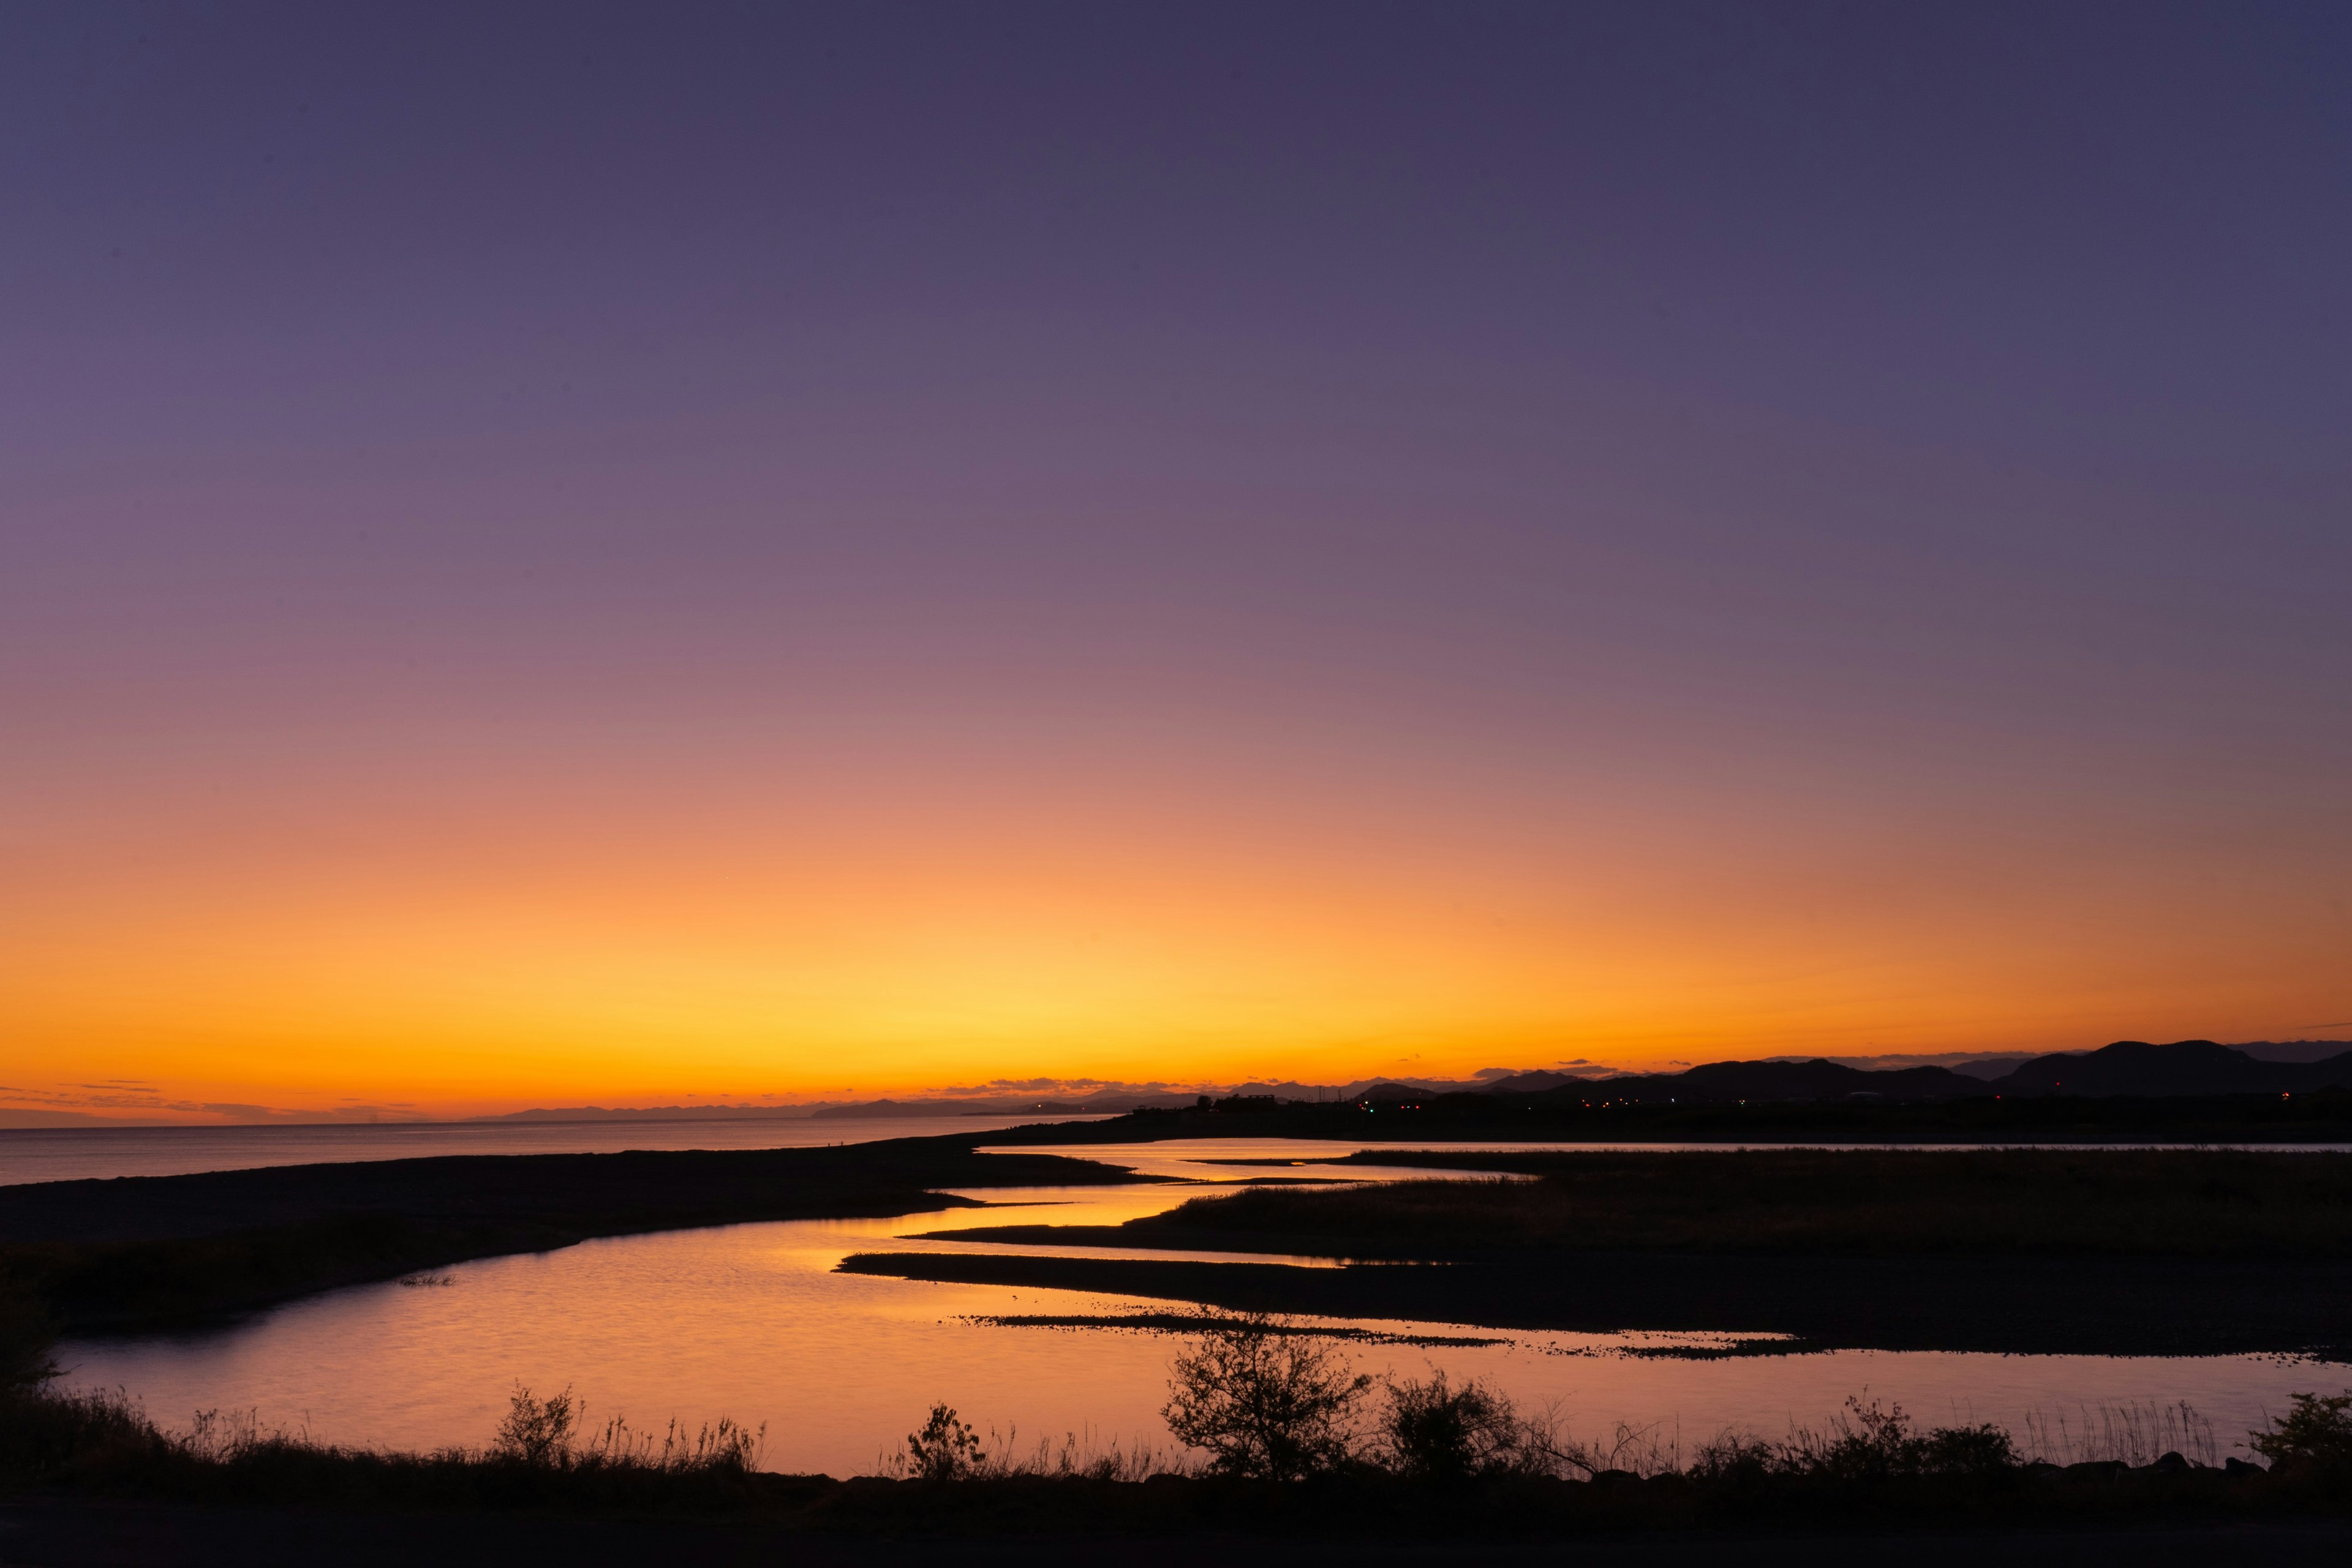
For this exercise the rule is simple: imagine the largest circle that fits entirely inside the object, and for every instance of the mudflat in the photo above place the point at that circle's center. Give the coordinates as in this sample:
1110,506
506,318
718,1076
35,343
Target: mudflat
2124,1201
2146,1252
2009,1306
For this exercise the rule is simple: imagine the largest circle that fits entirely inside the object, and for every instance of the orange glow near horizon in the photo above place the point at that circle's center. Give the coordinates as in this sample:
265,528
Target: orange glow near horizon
620,946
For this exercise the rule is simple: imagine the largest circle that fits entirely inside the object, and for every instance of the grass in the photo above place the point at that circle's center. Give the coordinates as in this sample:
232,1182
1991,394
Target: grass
1497,1471
103,1444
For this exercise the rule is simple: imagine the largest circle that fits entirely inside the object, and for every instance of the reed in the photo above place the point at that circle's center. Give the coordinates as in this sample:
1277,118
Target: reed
947,1450
2137,1432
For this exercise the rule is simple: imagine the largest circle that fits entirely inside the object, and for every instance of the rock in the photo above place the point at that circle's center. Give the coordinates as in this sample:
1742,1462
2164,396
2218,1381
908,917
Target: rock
2097,1471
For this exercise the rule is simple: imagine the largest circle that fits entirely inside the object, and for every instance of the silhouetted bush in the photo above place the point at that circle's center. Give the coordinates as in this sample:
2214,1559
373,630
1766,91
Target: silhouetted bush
1433,1431
2313,1437
1867,1444
537,1432
1264,1404
944,1449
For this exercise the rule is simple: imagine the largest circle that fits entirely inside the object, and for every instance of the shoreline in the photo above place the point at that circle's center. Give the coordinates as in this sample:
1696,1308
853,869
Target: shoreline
134,1254
2320,1118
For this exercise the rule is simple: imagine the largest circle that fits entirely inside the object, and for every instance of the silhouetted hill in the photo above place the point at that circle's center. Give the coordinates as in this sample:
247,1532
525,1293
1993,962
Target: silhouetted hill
2291,1051
1820,1079
1815,1080
1387,1091
1531,1083
2184,1067
2125,1067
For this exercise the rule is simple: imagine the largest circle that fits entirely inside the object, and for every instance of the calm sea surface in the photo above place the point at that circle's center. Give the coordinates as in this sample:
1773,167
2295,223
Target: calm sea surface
70,1154
750,1322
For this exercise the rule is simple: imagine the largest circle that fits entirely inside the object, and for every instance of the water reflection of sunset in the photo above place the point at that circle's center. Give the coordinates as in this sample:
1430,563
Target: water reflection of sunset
838,1365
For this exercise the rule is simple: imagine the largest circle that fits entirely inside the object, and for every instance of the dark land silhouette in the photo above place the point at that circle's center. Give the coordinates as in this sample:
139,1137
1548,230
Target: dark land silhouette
1866,1202
2125,1067
2143,1252
2094,1306
2319,1116
128,1533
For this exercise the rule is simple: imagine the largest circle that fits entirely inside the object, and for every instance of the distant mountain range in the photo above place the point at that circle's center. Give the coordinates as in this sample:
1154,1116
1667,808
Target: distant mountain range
2125,1067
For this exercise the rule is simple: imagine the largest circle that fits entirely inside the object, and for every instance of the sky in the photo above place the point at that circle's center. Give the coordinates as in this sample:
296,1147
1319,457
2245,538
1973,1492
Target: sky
576,552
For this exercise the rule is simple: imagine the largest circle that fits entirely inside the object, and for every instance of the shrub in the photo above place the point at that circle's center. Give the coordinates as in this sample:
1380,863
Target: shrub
944,1450
1871,1440
1735,1457
1980,1450
1868,1442
1874,1441
1433,1431
538,1432
2315,1434
1265,1400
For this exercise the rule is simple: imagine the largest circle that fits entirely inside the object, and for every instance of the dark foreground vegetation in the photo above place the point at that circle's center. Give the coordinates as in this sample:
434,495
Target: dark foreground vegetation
1285,1440
1599,1113
2108,1252
146,1251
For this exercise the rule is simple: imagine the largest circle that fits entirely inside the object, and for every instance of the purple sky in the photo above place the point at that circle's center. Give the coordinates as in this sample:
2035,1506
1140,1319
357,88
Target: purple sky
1883,466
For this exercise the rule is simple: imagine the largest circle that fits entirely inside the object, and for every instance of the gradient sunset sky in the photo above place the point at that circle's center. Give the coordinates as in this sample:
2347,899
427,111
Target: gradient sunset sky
628,553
